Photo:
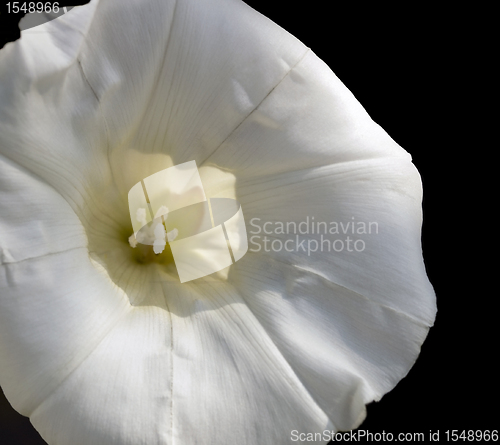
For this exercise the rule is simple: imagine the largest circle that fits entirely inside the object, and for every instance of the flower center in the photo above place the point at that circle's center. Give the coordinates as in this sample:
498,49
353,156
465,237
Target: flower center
140,262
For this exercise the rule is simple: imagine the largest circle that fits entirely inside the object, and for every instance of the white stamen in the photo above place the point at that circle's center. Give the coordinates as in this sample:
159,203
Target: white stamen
140,215
172,235
159,246
162,211
132,241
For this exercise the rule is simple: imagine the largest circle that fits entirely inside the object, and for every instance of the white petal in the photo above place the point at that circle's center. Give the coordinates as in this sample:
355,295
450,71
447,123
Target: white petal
254,395
173,90
121,393
57,310
225,380
49,118
35,220
310,119
362,315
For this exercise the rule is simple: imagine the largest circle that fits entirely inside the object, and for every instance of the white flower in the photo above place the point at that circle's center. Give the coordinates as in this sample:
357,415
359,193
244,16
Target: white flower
99,341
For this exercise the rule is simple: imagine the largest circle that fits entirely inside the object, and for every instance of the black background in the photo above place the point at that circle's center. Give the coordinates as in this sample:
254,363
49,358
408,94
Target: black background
398,63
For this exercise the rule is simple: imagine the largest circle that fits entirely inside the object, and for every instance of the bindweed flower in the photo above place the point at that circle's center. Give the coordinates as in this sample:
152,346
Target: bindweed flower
100,342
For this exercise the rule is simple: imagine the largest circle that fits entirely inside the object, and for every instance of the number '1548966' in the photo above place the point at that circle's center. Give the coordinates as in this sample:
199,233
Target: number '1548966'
31,7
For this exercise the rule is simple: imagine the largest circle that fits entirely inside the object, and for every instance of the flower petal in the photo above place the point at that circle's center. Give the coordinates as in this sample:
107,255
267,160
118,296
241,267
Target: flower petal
224,381
35,219
178,86
121,393
309,154
362,314
310,119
